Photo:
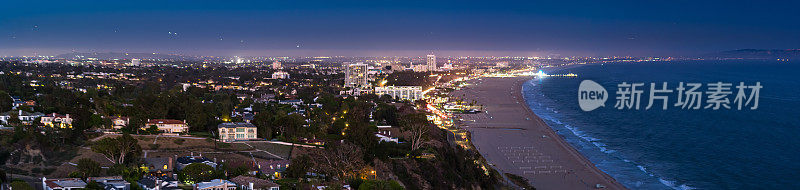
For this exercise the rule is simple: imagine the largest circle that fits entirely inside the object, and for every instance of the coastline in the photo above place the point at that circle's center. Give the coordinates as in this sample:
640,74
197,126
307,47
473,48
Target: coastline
515,140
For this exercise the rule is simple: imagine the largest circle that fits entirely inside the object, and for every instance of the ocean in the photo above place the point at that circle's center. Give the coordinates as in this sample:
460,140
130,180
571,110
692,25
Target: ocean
681,148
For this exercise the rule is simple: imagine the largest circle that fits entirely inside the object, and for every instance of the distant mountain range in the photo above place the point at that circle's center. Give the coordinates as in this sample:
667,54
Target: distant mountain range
756,54
113,55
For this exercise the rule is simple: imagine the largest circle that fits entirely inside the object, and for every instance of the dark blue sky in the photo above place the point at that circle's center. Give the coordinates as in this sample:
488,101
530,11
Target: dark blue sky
332,27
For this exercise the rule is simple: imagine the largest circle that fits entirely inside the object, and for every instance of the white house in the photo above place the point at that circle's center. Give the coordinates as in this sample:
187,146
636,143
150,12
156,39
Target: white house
167,125
63,184
237,132
217,184
24,117
57,120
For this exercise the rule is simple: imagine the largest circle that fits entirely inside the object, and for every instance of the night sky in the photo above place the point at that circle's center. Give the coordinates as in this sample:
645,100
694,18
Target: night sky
406,28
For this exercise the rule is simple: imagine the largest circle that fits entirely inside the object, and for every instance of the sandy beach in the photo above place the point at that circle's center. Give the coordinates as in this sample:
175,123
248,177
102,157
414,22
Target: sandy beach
515,140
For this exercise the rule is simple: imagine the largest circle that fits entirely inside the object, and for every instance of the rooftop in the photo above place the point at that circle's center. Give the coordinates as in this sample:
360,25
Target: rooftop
65,182
214,183
257,183
192,159
235,125
164,121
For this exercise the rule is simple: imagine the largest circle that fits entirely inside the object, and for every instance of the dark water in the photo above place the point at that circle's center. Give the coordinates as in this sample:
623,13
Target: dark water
678,148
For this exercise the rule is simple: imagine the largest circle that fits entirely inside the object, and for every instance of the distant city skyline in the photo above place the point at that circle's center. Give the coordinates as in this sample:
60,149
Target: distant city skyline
402,28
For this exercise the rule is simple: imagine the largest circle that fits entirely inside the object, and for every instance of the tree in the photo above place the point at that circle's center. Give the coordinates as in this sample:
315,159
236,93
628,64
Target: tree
14,119
6,103
263,121
132,173
361,134
96,121
196,172
3,177
386,113
339,160
152,130
88,168
287,125
21,185
117,150
93,185
380,185
196,118
416,127
299,167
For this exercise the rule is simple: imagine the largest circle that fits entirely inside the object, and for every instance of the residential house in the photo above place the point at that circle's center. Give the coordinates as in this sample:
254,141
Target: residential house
252,183
388,130
387,133
158,183
63,184
16,102
186,160
248,117
167,125
291,102
324,187
111,183
57,120
30,103
241,111
119,122
273,168
217,184
160,166
24,117
237,132
384,138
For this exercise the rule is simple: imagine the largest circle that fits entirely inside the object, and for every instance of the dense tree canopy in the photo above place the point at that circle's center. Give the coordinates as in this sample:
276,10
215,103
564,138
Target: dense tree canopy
118,150
88,168
196,172
5,101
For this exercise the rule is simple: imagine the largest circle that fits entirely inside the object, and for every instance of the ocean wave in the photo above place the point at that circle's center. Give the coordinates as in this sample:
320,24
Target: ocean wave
668,183
595,141
673,185
546,111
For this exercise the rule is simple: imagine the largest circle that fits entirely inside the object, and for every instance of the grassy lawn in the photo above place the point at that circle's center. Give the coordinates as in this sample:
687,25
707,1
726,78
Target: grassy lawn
277,149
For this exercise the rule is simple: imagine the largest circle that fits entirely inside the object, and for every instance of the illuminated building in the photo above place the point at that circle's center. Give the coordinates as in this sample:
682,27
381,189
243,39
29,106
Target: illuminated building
400,92
136,62
237,131
431,60
355,75
280,75
57,120
167,125
276,65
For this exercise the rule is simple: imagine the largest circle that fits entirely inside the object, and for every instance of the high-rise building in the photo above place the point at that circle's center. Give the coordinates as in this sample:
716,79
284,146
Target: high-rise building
355,75
280,75
276,65
136,62
431,62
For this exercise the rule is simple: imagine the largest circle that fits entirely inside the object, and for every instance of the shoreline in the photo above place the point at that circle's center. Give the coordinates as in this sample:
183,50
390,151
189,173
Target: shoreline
561,141
522,143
